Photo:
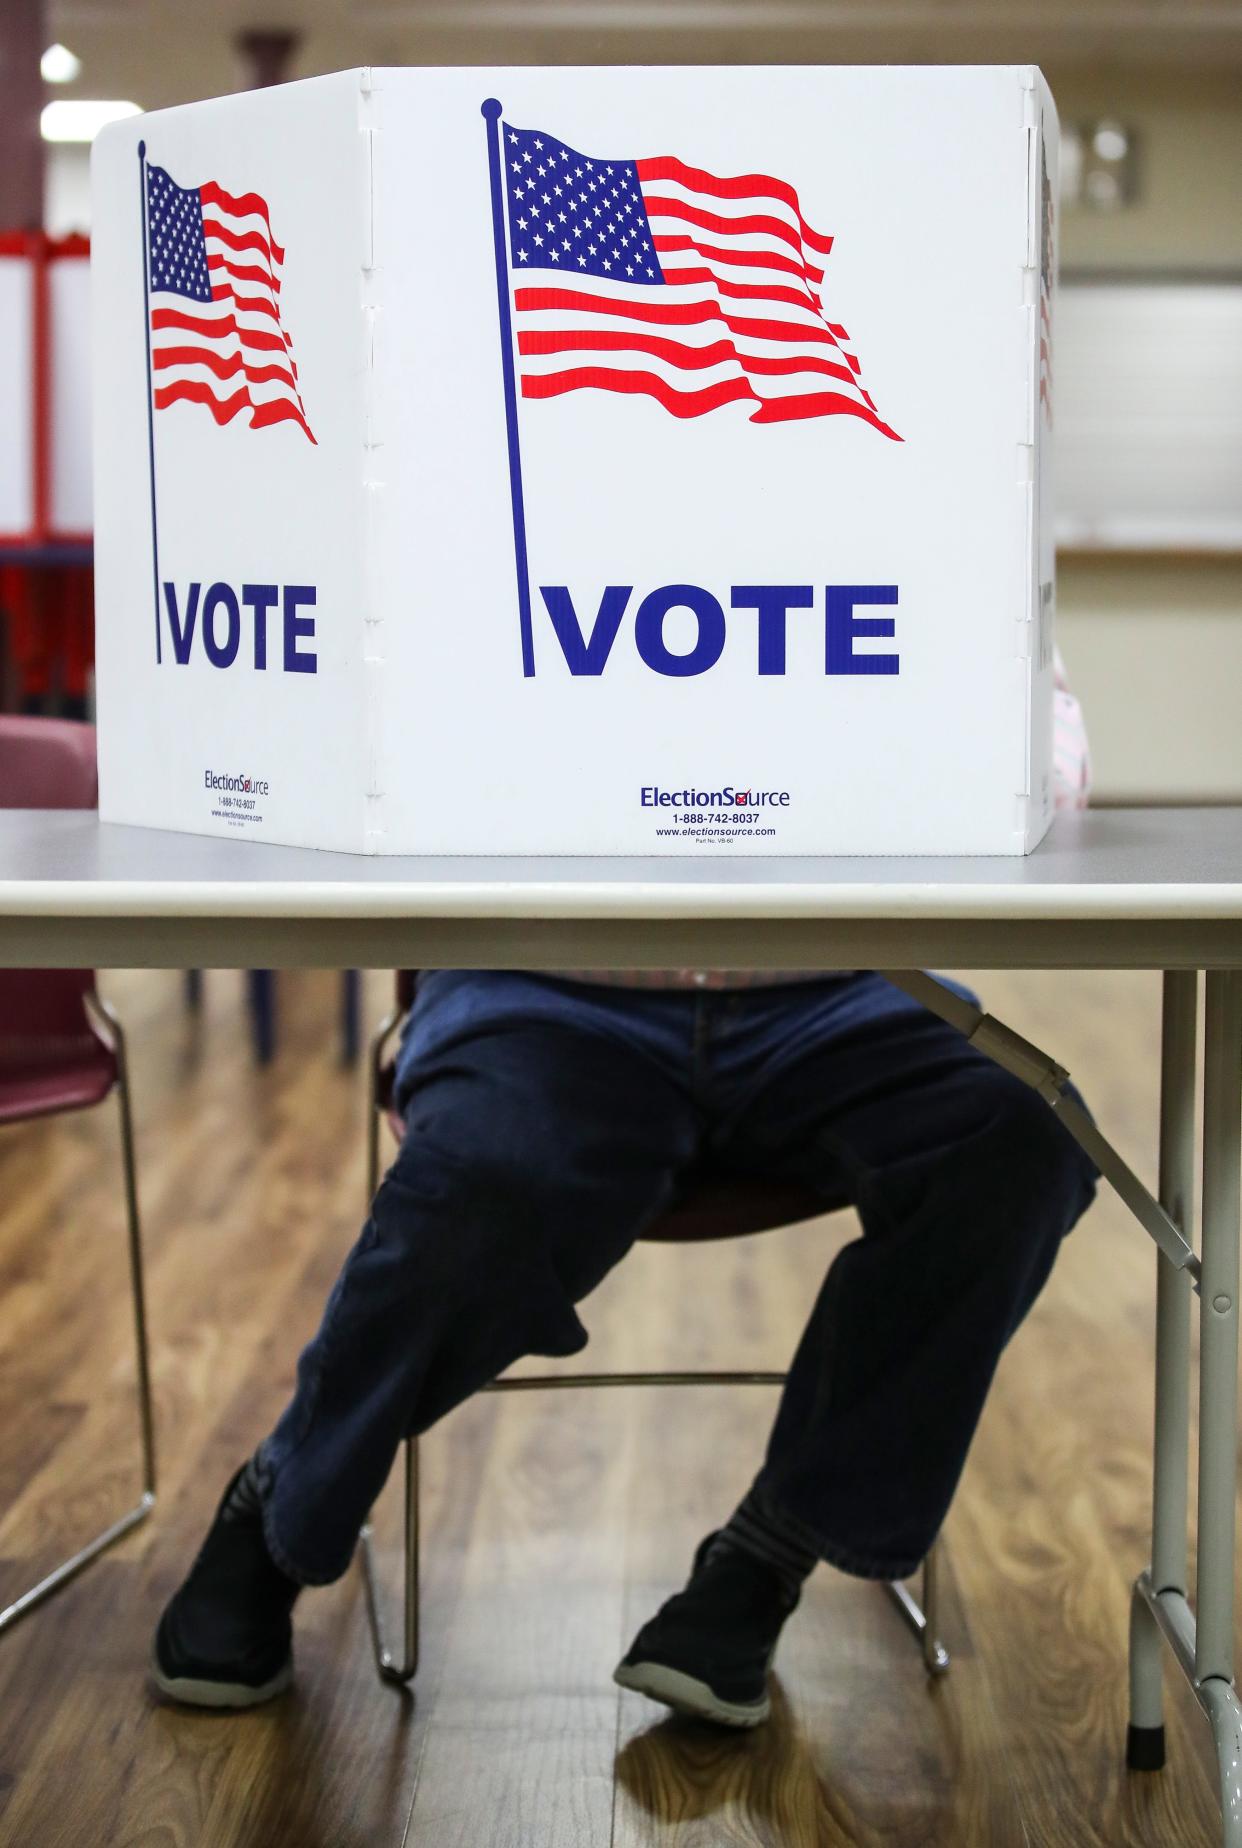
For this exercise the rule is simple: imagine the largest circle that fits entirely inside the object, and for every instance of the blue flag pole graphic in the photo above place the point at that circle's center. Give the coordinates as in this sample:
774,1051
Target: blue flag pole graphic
491,109
146,331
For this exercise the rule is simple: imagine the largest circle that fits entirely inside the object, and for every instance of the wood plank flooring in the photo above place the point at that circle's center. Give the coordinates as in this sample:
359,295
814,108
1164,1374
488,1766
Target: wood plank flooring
553,1523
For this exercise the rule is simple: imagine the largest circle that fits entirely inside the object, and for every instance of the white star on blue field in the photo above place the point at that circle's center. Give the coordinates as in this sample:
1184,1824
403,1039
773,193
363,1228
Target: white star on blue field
178,243
578,216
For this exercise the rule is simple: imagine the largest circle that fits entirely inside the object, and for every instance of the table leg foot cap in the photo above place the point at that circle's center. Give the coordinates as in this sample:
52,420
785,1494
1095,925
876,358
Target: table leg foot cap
1145,1748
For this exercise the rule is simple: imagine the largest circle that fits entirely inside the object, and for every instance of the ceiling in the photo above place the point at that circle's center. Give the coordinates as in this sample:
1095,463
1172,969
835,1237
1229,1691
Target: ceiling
162,51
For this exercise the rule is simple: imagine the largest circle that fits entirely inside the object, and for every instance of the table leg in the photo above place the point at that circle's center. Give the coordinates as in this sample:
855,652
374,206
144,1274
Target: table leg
1145,1739
1218,1383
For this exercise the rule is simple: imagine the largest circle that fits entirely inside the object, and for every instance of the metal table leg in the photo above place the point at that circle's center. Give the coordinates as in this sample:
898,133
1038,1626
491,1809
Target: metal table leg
1218,1383
1202,1642
1145,1739
1202,1648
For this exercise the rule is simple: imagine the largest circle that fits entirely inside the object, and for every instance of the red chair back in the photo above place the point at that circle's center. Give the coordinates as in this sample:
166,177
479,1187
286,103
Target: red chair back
50,1056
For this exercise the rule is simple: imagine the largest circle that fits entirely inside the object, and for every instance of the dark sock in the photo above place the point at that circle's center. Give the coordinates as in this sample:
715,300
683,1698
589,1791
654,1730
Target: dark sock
245,1503
245,1498
767,1533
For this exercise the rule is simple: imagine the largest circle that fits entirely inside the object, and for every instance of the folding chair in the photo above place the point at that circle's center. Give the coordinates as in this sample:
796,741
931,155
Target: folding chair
62,1048
713,1207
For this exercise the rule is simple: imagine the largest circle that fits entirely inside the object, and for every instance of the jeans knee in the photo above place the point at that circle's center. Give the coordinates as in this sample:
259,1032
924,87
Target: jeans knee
469,1206
1043,1173
466,1245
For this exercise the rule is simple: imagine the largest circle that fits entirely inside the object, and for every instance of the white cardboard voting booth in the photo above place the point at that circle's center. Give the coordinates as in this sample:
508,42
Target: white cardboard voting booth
580,461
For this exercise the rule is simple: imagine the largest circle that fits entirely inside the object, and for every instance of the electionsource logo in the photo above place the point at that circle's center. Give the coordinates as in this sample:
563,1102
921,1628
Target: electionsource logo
652,796
244,785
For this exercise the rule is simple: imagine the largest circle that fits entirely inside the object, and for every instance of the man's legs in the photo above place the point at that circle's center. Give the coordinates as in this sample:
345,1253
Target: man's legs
965,1184
532,1157
537,1145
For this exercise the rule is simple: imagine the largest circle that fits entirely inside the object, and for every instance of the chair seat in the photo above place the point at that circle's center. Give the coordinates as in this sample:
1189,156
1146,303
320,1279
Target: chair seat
63,1076
716,1205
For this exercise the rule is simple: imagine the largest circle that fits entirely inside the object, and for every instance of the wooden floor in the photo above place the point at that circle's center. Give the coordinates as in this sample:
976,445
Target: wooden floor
555,1522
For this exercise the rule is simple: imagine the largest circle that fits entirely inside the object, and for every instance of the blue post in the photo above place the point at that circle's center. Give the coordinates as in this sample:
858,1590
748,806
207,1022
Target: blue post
146,331
492,110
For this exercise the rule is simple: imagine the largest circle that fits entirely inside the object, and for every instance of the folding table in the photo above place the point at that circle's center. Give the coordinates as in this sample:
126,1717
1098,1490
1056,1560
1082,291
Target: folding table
1120,889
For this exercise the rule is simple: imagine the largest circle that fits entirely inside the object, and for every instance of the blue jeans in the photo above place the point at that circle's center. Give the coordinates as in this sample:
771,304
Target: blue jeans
549,1121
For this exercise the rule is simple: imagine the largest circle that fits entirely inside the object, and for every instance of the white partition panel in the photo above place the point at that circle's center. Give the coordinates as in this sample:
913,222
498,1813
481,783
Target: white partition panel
17,495
70,472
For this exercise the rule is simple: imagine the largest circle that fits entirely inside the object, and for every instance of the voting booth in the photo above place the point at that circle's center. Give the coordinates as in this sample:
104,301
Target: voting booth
578,461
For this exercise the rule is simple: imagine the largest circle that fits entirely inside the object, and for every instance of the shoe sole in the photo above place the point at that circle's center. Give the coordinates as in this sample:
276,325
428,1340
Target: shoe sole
685,1694
192,1692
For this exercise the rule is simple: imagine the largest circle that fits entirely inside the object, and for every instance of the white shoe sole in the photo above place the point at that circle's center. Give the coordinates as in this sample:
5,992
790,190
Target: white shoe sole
685,1694
221,1694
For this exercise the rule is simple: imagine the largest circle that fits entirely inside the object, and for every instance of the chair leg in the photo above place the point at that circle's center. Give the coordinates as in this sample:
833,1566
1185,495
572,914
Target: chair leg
924,1618
373,1129
110,1535
375,1066
261,989
351,1009
146,1407
390,1669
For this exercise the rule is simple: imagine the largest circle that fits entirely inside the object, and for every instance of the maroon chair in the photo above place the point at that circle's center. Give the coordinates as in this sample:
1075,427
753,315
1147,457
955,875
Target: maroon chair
713,1206
62,1048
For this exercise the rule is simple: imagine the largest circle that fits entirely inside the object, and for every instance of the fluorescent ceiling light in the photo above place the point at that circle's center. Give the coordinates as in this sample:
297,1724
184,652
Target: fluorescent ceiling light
77,119
58,65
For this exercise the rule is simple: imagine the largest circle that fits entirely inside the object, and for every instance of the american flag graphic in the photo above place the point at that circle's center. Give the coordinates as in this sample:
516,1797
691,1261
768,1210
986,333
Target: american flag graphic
674,283
216,332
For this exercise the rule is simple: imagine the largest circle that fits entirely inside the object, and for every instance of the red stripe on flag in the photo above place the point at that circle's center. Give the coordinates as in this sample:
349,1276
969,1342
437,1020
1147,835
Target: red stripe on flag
697,403
196,392
819,404
645,384
164,357
758,223
280,410
745,291
215,330
682,314
691,358
239,240
244,205
193,391
244,272
249,304
746,186
757,259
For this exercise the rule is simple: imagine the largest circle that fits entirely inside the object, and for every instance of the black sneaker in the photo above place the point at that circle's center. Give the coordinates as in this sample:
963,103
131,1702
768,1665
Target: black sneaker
225,1639
707,1651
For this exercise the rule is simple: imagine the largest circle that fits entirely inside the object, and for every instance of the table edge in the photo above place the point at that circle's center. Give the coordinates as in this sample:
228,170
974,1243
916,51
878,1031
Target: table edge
596,899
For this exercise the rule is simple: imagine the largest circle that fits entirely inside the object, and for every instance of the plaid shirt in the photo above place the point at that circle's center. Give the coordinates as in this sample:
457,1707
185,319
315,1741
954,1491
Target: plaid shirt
1072,774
